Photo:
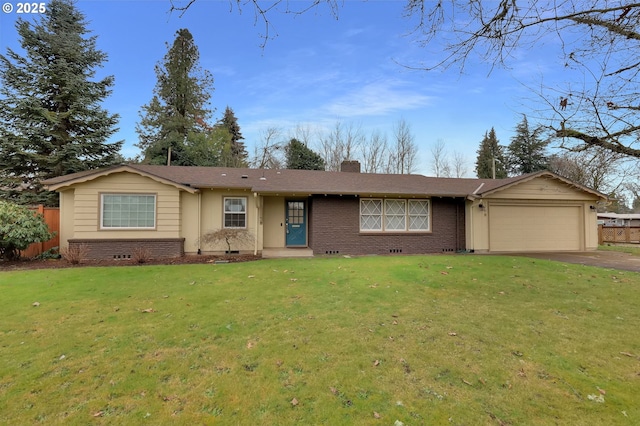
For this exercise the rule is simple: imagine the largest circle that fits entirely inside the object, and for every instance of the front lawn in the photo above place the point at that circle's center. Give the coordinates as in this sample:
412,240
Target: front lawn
372,340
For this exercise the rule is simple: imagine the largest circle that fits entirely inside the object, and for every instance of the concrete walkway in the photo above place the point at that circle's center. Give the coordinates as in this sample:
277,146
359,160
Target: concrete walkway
603,259
270,253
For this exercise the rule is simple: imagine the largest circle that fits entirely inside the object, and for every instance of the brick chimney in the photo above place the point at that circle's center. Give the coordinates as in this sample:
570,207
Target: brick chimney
352,166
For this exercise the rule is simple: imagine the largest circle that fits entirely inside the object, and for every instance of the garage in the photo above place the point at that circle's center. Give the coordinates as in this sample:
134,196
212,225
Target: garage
535,228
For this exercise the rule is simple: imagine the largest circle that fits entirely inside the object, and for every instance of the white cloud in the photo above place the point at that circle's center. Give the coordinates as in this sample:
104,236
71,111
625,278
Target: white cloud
382,97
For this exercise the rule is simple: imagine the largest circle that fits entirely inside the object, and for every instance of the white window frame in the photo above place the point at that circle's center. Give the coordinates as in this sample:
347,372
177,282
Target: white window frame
412,214
390,216
121,227
371,214
388,204
225,212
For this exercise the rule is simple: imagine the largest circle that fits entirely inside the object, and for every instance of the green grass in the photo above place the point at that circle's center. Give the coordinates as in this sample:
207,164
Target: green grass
631,249
419,339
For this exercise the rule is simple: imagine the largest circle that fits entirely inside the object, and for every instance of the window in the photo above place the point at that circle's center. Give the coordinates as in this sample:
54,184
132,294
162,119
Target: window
418,215
371,215
235,212
128,211
394,215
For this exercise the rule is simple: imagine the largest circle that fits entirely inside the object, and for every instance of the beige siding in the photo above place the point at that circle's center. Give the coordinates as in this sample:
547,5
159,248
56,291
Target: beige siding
212,205
86,207
66,216
190,224
273,218
542,188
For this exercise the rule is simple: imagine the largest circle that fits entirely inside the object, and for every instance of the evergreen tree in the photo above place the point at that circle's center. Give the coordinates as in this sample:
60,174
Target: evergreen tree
51,121
178,111
237,152
211,148
490,153
300,157
526,152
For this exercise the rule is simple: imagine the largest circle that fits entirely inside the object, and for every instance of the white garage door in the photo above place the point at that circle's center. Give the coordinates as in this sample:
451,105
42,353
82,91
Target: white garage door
534,228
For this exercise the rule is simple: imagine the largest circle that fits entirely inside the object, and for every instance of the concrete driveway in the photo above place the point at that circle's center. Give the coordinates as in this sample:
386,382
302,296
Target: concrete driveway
603,259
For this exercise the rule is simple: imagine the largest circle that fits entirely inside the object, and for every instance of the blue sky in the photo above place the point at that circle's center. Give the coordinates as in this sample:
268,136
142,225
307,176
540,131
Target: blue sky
315,72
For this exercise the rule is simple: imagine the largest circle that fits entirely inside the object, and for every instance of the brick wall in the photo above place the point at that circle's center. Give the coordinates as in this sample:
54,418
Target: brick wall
124,248
334,228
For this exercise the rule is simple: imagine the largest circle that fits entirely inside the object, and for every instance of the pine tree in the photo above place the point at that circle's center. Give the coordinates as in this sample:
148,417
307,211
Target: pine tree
300,157
490,153
237,152
526,152
51,121
178,111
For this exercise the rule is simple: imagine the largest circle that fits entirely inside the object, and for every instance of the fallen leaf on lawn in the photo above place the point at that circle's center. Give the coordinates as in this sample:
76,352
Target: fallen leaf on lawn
602,391
444,272
35,304
376,363
466,383
596,398
250,344
98,414
376,415
251,276
395,322
451,333
294,402
333,390
449,267
148,310
294,279
627,354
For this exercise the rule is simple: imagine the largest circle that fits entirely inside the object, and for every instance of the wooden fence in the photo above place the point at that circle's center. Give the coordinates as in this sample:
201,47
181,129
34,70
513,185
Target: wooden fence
618,234
52,219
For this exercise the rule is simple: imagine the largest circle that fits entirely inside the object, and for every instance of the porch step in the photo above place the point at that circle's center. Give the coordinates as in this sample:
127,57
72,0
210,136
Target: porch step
270,253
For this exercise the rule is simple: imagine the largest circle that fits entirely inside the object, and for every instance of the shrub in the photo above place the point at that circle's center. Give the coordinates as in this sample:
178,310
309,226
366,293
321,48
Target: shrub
75,254
228,236
141,254
20,227
52,253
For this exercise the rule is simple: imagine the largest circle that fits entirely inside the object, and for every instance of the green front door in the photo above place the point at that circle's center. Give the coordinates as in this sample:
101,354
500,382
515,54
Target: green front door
296,219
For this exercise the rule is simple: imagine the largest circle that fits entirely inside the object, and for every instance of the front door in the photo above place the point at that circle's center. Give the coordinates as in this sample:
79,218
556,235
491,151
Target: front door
296,223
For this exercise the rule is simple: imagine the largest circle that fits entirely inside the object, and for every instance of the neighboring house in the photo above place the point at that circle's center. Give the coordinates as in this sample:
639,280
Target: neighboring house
168,209
619,219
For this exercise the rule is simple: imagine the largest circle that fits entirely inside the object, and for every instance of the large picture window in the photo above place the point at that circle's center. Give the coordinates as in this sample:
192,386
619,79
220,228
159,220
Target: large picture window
394,215
128,211
235,212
